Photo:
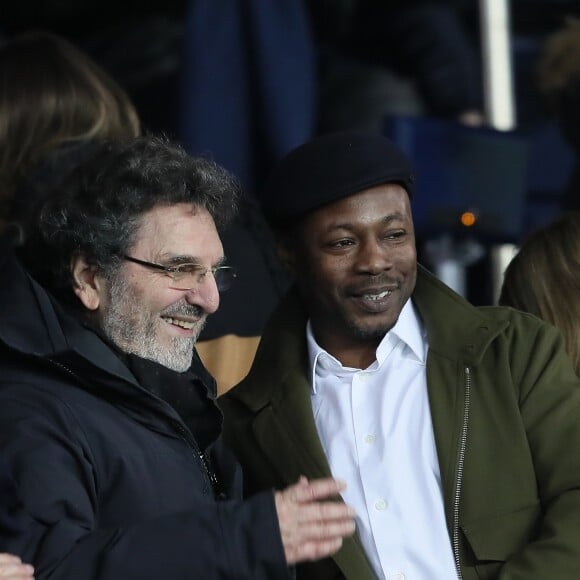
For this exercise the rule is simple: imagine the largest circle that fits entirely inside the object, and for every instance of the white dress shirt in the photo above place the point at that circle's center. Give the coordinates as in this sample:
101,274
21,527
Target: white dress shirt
375,427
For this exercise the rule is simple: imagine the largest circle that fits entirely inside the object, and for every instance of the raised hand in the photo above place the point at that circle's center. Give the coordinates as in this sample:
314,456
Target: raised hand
311,528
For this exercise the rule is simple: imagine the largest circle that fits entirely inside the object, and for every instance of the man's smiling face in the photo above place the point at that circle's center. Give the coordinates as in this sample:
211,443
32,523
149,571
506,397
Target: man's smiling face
140,311
355,263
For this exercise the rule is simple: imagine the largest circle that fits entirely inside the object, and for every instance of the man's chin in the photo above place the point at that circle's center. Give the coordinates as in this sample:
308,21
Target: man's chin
179,364
179,367
369,332
174,353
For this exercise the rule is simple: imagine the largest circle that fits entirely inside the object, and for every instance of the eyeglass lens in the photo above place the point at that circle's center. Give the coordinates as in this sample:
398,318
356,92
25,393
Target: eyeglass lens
224,278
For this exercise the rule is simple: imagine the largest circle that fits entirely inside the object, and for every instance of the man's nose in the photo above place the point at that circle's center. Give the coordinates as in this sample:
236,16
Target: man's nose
373,257
205,295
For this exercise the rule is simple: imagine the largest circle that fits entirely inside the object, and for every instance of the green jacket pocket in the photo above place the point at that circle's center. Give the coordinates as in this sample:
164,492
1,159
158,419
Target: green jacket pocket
496,538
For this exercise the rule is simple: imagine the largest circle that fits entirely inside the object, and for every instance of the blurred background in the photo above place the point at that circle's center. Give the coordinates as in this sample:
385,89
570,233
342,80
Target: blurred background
481,94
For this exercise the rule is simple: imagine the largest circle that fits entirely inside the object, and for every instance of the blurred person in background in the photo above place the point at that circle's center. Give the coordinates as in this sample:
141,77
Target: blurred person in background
558,79
54,102
544,279
403,57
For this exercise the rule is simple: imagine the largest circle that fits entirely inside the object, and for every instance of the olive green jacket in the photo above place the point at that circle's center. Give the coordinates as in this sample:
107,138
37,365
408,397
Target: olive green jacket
505,404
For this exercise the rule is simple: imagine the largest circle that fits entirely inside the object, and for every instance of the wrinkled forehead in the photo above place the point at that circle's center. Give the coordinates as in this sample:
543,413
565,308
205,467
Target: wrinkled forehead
180,229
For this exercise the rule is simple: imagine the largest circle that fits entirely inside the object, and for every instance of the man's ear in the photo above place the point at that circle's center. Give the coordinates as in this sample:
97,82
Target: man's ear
87,285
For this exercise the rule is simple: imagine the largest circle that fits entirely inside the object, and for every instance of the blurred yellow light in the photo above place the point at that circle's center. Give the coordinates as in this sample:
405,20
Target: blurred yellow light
468,219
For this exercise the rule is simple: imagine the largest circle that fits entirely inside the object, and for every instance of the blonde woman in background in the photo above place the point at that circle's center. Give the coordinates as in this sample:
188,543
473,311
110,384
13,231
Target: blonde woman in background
54,100
544,279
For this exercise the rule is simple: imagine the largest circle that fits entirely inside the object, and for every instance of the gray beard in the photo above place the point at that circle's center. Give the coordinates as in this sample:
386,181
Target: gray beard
137,331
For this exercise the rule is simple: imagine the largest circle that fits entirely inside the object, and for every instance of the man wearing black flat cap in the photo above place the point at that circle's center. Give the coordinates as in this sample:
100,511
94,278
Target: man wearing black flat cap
457,428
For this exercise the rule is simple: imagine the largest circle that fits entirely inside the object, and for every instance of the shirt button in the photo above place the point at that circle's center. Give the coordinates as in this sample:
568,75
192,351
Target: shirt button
381,505
370,439
398,576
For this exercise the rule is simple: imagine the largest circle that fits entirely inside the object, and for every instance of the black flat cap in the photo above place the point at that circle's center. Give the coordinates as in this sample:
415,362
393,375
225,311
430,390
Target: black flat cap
329,168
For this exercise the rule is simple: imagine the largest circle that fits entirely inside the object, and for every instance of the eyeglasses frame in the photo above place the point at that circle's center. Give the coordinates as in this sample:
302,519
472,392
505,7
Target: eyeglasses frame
171,270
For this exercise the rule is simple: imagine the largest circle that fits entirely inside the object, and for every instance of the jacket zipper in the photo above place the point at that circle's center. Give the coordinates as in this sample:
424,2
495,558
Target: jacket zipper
209,473
62,367
460,462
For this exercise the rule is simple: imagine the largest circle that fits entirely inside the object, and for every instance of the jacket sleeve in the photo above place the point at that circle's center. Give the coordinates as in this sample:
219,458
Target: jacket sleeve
550,408
13,518
59,488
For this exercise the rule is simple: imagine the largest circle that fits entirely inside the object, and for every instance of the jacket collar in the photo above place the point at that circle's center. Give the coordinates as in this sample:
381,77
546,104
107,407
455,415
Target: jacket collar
456,329
28,321
34,324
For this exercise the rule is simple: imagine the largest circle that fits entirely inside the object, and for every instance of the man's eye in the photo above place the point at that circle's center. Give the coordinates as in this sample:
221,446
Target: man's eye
183,269
341,243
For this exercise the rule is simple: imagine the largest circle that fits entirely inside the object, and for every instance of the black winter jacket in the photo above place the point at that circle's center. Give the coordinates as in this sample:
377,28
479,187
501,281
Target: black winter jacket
108,472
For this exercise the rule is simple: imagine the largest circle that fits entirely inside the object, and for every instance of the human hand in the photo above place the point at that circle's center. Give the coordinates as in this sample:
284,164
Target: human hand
312,529
12,568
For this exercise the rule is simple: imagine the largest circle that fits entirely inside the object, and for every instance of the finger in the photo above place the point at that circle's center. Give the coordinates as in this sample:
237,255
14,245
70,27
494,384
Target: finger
327,530
15,571
297,490
314,550
9,559
323,511
317,489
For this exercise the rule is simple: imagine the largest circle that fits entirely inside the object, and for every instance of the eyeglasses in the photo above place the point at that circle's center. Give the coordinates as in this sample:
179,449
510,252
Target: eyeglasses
187,276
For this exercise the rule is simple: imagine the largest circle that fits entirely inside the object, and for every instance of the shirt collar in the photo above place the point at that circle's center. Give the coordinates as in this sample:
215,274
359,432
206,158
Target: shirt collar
407,329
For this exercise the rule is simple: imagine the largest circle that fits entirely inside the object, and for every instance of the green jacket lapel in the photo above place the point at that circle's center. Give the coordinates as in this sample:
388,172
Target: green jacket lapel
284,424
